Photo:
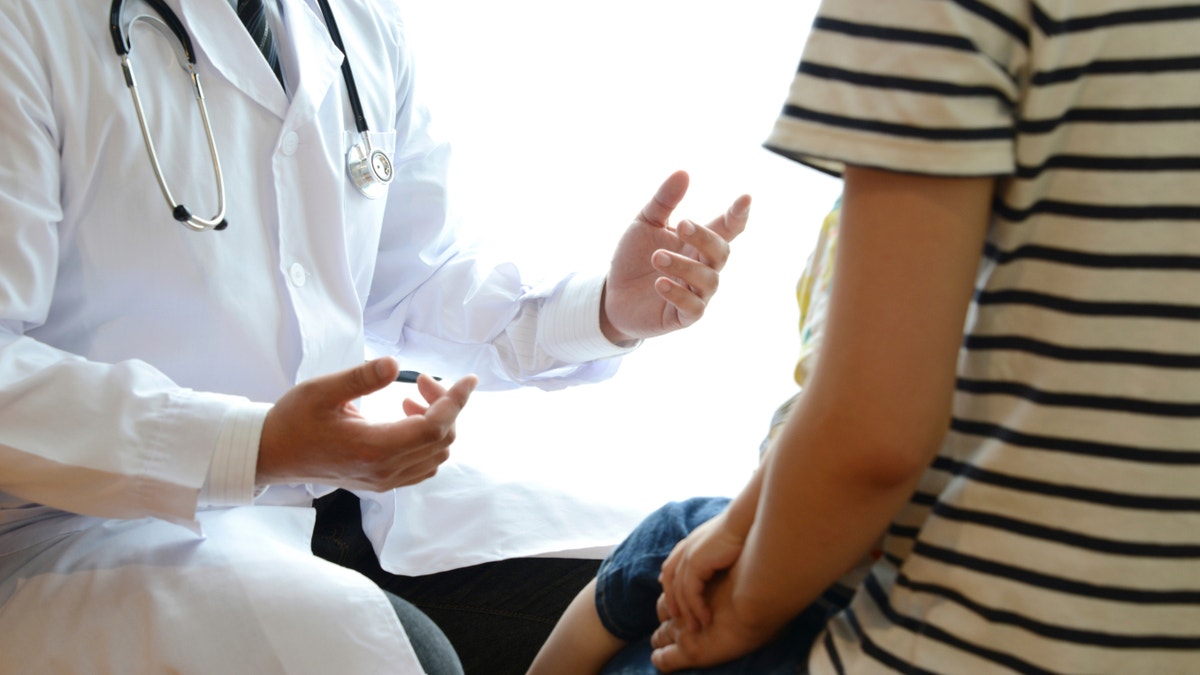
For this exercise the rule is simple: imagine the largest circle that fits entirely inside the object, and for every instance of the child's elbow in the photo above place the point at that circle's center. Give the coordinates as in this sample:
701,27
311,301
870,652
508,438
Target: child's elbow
890,460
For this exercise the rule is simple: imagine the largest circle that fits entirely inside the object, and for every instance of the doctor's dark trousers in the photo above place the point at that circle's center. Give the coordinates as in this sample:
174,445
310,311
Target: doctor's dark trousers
496,615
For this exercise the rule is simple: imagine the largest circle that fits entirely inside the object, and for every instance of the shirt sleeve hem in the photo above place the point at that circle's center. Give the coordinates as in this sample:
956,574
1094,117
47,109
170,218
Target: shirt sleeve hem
830,150
570,323
231,475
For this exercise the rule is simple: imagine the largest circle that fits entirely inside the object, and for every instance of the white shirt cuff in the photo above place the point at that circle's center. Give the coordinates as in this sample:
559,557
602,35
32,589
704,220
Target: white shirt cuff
231,474
569,323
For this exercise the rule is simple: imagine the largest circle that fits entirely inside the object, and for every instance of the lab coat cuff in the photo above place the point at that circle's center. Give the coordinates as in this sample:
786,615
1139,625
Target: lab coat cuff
231,474
569,323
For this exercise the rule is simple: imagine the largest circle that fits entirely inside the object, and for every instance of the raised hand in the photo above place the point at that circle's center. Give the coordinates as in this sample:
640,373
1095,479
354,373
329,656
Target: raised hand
314,433
662,278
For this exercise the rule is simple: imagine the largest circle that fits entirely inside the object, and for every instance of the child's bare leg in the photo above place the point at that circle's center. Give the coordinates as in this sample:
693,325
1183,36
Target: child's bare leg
579,643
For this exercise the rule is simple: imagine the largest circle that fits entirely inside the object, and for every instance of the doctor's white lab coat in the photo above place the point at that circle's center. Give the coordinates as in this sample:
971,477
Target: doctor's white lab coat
137,359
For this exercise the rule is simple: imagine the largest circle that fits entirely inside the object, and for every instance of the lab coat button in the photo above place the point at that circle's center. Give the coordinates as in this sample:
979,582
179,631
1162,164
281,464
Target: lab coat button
290,142
297,274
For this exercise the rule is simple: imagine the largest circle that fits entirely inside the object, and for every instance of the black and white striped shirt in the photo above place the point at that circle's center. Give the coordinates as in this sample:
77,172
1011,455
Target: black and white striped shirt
1058,529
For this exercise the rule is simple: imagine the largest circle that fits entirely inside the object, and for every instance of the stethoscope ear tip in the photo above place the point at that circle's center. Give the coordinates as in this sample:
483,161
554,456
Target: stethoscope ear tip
184,216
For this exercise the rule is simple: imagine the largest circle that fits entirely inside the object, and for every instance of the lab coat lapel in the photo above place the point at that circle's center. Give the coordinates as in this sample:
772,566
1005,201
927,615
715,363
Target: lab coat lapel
222,39
311,54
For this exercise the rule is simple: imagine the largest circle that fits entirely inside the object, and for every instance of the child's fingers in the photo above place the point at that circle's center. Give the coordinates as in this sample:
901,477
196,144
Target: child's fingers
693,609
666,579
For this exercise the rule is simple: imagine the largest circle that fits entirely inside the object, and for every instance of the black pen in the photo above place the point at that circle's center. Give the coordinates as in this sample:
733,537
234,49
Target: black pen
410,376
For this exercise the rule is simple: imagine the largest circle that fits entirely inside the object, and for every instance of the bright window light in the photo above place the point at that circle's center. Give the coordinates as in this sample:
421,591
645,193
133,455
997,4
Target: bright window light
565,118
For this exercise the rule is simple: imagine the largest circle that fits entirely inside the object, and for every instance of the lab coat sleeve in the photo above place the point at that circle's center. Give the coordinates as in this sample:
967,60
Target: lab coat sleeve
114,440
442,306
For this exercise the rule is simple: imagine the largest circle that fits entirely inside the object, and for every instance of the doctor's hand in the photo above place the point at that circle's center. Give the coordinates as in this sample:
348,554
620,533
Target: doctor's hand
314,433
662,277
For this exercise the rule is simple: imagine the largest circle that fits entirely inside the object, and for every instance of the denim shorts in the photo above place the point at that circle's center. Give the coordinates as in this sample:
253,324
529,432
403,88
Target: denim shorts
627,587
627,591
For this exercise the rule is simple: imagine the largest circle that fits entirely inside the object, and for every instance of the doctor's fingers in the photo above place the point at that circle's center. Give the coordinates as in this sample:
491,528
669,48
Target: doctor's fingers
411,407
686,305
433,426
405,474
337,389
696,276
657,211
454,398
429,388
704,244
400,453
733,222
432,392
397,469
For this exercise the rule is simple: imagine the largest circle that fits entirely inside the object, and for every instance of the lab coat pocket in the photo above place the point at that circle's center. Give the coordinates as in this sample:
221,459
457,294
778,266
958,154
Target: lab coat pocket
369,172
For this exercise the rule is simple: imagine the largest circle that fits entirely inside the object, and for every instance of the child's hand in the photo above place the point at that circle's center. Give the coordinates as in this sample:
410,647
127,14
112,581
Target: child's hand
728,636
709,549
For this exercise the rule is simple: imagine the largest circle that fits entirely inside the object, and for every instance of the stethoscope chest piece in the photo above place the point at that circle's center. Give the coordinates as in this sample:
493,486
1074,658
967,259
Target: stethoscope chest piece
370,170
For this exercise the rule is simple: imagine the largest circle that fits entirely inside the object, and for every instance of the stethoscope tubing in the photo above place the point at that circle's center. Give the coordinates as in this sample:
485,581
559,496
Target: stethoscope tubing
370,170
360,119
179,211
168,17
168,21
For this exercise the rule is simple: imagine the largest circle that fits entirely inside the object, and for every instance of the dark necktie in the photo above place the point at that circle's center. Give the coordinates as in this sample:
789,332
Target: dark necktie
253,14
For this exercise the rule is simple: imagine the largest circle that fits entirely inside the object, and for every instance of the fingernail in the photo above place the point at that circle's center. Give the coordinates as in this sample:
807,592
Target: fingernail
662,259
381,367
687,228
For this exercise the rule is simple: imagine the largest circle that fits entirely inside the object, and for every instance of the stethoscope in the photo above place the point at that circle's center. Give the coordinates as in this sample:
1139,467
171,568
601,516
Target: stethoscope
370,169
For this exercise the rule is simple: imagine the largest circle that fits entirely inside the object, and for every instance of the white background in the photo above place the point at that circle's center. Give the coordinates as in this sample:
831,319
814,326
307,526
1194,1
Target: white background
565,117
